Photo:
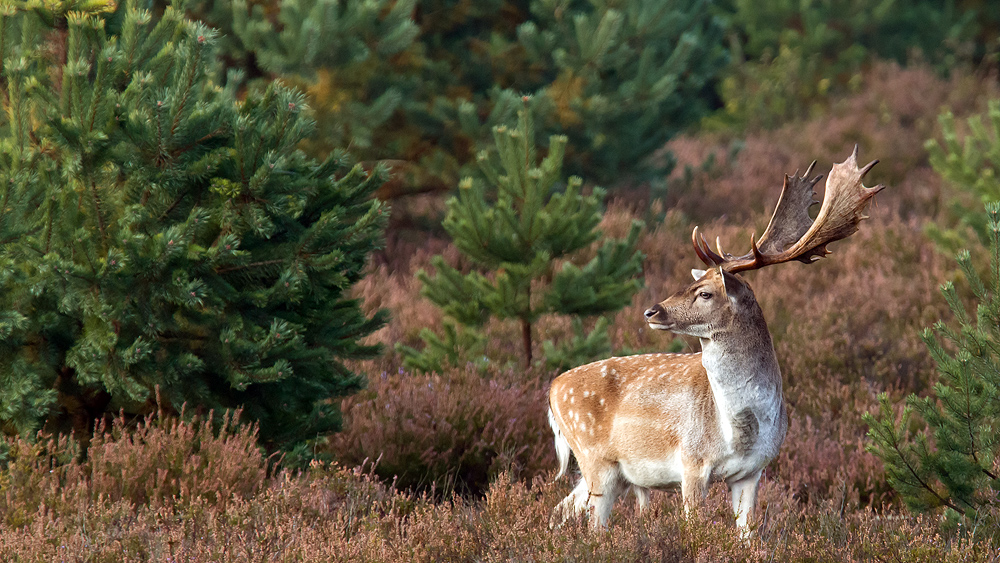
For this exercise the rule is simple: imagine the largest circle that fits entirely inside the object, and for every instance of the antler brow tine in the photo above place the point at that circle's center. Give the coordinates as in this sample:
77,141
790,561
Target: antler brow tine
710,258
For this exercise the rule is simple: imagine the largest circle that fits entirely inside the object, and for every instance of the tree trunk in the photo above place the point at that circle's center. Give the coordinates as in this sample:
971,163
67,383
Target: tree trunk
526,340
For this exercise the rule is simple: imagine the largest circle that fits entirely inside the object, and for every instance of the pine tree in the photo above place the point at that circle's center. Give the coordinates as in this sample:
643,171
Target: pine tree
524,227
972,166
954,462
421,83
157,231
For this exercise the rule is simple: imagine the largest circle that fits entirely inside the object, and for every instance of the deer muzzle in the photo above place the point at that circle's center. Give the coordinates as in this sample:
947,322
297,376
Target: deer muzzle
656,316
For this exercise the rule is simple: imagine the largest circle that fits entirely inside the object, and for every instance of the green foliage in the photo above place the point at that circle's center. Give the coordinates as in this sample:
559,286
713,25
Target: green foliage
458,343
341,51
156,230
955,461
789,54
422,82
524,230
581,348
971,165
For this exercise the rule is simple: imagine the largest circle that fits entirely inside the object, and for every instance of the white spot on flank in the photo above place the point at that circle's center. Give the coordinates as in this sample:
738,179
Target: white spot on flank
586,394
602,402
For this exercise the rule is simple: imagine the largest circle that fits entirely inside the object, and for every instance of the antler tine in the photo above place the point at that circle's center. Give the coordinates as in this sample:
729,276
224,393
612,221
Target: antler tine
792,234
810,169
718,247
710,258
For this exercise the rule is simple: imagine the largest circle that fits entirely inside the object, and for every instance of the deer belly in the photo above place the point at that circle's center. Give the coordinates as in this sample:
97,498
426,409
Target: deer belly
653,473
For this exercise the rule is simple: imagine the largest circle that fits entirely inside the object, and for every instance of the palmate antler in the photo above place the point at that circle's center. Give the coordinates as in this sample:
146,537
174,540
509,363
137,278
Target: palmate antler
791,234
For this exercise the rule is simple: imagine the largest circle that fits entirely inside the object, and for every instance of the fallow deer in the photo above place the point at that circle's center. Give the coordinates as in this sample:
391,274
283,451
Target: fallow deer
655,420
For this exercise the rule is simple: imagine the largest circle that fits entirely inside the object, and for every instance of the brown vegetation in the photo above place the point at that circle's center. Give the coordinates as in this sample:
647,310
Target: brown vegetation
844,330
65,512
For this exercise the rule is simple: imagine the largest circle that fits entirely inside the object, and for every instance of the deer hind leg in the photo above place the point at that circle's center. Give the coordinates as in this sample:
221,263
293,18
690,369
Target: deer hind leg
606,485
573,504
744,493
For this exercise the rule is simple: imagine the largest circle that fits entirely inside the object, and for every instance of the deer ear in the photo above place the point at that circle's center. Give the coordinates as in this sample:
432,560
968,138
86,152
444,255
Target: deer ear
722,274
697,273
734,286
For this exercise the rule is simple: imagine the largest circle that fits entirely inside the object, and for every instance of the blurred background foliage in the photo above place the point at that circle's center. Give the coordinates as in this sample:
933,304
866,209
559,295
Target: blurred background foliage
417,84
788,56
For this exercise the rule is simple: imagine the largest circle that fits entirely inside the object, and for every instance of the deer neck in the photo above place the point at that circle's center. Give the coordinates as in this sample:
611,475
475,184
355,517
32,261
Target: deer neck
741,364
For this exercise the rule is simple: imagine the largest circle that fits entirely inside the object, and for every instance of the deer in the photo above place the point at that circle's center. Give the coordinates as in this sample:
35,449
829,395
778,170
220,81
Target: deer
653,421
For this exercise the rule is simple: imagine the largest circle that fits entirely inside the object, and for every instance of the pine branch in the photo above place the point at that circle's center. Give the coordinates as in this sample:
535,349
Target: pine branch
201,141
894,444
251,265
187,87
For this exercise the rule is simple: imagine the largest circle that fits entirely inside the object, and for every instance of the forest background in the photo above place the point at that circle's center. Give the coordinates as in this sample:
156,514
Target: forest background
350,444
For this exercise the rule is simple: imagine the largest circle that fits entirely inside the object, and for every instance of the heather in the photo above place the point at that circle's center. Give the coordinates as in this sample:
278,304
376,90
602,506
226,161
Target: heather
66,511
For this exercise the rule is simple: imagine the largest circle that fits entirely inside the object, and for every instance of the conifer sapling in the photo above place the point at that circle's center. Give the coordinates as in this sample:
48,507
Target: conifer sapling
525,230
954,461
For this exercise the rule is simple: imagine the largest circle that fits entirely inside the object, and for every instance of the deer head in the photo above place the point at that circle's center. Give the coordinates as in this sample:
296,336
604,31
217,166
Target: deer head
717,300
654,420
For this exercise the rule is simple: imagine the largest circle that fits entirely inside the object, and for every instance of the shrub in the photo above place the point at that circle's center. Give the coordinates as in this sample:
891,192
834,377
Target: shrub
158,461
173,460
971,166
453,431
526,233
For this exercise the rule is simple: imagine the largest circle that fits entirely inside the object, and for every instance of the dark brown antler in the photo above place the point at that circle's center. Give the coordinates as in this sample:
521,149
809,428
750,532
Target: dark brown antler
791,234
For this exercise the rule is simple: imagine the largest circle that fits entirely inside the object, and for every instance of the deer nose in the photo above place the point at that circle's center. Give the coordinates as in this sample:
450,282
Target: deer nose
653,310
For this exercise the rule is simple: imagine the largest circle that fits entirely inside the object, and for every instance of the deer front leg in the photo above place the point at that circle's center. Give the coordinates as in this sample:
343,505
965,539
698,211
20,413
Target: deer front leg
744,493
694,484
641,497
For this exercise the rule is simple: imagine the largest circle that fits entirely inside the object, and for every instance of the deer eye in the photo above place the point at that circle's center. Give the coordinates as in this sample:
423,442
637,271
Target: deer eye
705,295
